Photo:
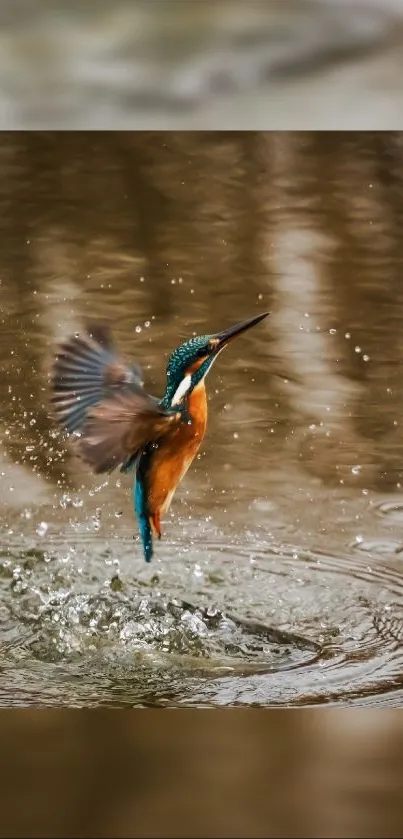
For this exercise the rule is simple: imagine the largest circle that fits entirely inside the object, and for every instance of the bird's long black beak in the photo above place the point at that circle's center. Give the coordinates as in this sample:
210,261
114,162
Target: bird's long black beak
221,339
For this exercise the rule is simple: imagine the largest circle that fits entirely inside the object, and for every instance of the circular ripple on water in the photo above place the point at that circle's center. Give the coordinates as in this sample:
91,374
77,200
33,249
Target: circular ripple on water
354,606
214,625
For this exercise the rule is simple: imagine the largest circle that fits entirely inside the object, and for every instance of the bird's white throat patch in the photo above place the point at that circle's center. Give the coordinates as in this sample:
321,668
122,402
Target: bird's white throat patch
182,390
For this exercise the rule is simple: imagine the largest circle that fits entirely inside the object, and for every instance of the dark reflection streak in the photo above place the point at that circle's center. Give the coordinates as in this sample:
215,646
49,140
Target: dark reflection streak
28,205
367,306
248,232
139,158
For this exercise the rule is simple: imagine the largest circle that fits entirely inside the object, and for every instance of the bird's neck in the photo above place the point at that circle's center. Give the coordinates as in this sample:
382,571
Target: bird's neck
193,404
196,403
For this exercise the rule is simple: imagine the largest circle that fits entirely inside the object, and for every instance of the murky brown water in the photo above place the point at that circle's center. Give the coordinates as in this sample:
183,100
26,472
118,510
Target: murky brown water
279,577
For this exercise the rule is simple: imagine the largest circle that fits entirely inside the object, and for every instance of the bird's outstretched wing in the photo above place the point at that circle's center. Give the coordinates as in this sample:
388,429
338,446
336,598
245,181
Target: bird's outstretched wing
86,370
95,394
118,429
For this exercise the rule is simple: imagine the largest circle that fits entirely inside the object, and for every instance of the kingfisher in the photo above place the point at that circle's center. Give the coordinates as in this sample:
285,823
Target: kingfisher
112,422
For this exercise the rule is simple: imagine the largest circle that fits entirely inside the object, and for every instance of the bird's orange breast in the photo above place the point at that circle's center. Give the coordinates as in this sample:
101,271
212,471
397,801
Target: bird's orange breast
175,453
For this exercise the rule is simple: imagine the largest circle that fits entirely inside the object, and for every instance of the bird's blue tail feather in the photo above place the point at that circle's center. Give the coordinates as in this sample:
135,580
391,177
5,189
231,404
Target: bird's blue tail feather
144,522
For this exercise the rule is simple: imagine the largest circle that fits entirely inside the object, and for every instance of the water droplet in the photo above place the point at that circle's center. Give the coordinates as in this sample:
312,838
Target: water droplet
358,349
332,331
138,329
365,357
359,539
29,448
347,335
118,514
356,470
42,528
147,324
236,435
260,297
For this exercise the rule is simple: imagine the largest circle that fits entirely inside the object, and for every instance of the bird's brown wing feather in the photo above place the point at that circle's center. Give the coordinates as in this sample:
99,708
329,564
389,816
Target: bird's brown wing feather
120,427
85,372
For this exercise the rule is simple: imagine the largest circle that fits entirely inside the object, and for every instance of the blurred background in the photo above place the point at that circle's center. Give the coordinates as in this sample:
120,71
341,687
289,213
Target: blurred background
201,774
295,64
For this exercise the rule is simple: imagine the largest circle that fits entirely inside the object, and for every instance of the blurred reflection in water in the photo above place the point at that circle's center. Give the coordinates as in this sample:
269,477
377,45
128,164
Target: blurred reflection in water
292,514
175,233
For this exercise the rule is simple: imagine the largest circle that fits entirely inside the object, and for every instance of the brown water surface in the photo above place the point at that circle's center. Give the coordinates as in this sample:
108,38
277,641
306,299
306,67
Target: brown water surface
279,578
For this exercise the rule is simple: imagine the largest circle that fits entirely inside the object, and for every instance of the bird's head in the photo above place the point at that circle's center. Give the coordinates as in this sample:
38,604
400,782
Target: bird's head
189,363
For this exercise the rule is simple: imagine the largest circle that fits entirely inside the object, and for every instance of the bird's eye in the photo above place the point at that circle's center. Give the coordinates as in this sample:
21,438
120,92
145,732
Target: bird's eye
203,351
